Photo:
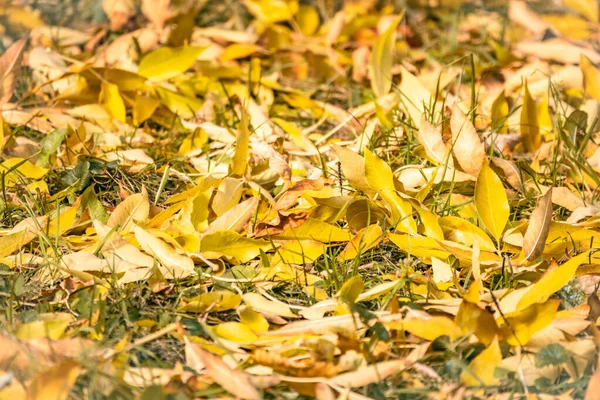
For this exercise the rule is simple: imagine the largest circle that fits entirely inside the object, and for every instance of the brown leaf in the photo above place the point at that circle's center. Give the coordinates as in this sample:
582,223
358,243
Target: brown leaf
519,13
593,386
467,146
234,381
9,69
118,12
157,11
539,225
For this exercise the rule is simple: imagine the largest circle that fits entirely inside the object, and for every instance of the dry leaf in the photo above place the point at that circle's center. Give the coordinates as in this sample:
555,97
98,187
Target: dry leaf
10,65
539,225
234,381
467,146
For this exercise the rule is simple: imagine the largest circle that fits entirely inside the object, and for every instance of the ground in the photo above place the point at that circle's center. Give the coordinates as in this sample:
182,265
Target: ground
297,199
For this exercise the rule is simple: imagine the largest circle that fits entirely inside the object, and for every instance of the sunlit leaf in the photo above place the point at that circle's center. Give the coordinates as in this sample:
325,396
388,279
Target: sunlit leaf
491,201
166,62
382,58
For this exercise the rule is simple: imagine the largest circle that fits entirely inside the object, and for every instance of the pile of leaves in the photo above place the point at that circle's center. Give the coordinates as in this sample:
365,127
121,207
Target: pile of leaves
296,199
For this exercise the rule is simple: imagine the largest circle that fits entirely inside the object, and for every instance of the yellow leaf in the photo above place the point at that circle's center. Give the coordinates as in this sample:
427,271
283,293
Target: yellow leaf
112,101
51,325
176,264
430,223
500,114
166,62
364,240
467,146
232,244
179,104
380,65
16,169
462,231
351,289
239,50
553,280
239,162
472,318
262,304
313,229
481,371
15,240
271,11
298,252
379,177
353,166
134,208
419,246
587,8
193,142
591,77
521,325
143,108
227,195
236,218
538,228
54,383
430,138
530,129
63,221
491,201
236,332
308,19
217,300
253,320
427,327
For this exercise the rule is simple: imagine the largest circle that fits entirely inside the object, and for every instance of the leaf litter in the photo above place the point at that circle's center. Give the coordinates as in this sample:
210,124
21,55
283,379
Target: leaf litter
284,199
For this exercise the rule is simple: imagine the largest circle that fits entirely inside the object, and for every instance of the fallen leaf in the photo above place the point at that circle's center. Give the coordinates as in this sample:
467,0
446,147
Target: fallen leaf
537,230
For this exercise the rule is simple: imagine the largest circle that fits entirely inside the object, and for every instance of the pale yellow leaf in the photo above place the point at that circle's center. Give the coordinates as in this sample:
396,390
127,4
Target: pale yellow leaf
382,58
134,208
178,265
234,381
537,230
430,138
467,146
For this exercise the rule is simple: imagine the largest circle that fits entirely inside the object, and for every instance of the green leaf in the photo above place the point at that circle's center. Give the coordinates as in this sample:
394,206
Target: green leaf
491,201
167,62
551,354
381,59
50,145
